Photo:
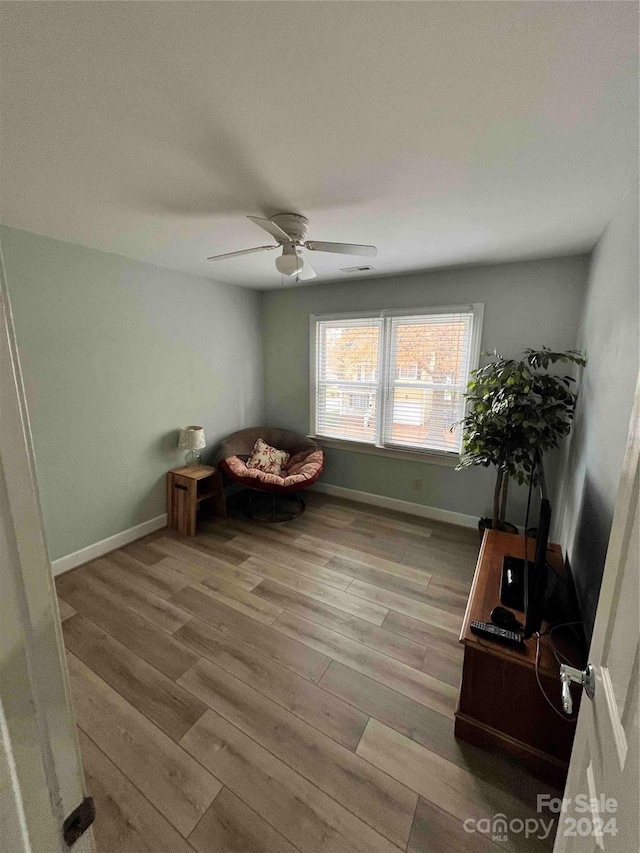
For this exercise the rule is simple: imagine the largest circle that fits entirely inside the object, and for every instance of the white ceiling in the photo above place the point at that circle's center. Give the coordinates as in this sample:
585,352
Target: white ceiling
444,132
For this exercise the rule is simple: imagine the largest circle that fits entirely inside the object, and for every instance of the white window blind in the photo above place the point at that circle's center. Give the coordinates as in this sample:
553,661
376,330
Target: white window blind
394,380
427,377
348,378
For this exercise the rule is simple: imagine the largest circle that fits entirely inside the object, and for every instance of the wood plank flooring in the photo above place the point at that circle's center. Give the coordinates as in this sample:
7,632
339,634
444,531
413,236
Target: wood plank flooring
283,688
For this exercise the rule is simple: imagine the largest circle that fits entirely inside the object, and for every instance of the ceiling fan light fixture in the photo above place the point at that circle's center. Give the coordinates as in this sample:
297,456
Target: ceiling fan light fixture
290,231
289,263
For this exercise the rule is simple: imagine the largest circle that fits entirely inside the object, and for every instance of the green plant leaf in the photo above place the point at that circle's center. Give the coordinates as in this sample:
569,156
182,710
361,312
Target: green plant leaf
517,409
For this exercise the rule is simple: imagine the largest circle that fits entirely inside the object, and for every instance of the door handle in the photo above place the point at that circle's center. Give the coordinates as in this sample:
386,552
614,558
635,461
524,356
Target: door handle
585,677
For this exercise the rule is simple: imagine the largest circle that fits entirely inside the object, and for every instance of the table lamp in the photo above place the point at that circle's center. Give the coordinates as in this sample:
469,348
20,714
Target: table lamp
192,437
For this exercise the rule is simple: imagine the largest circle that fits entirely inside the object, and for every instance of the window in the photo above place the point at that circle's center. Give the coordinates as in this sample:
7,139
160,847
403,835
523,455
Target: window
407,371
394,379
359,401
365,371
347,358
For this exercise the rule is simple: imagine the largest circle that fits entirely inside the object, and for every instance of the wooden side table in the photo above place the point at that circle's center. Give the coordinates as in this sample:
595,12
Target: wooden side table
187,488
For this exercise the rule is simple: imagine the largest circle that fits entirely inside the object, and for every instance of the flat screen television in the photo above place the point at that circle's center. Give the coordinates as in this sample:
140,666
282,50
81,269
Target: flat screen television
524,582
535,569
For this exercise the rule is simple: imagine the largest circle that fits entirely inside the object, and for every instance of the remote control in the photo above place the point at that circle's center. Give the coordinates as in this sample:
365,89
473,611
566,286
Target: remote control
487,629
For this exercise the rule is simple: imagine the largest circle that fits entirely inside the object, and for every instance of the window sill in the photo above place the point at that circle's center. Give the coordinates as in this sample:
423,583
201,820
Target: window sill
428,457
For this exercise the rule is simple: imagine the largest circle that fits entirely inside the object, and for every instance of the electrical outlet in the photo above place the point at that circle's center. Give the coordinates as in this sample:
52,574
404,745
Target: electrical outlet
417,485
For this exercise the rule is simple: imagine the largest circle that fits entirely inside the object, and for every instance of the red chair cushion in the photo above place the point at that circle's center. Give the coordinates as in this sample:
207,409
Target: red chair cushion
301,470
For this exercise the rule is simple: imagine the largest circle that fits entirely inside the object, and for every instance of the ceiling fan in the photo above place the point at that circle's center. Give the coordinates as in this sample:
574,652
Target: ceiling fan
290,230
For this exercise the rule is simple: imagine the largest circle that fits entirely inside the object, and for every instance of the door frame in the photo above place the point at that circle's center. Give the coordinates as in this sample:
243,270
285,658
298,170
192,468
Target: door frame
40,762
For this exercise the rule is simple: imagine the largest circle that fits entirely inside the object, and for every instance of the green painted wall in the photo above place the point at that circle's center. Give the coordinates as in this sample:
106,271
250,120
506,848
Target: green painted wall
116,356
527,304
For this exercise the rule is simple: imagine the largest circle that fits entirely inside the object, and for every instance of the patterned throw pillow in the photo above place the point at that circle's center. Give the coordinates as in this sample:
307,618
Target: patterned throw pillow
266,458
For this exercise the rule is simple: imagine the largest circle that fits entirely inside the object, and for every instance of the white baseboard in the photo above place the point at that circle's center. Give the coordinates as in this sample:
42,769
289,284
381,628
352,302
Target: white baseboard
99,549
431,512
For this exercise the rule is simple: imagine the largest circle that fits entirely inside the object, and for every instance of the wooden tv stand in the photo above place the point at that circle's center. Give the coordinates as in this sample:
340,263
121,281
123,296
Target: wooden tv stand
501,706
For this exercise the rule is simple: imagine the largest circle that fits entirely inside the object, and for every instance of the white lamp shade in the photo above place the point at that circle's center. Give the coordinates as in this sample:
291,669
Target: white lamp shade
289,263
192,438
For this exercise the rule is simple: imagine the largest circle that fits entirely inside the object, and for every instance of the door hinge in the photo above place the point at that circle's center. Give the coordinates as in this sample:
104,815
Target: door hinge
79,821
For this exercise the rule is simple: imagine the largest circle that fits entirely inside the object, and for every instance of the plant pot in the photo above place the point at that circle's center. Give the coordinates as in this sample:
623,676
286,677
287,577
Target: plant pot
487,524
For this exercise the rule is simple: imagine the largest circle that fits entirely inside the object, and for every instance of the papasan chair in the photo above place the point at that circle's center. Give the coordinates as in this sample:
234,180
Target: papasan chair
299,471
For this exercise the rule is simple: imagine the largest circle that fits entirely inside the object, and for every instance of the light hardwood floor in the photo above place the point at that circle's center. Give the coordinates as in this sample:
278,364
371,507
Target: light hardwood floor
283,688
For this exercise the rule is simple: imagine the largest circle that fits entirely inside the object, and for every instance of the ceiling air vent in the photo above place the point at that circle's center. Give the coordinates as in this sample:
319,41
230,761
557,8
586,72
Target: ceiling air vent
357,269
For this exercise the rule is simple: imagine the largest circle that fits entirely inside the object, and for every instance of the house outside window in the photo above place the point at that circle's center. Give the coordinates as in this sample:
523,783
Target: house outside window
358,401
407,371
365,372
394,379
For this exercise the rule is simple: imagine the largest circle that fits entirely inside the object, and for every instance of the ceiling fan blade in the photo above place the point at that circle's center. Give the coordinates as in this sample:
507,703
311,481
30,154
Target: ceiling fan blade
272,228
341,248
241,252
307,272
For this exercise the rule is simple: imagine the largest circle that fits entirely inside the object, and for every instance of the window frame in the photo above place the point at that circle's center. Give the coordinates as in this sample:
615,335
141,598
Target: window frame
378,447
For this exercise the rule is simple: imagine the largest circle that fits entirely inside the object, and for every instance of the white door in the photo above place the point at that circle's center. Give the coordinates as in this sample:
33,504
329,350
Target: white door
41,780
602,796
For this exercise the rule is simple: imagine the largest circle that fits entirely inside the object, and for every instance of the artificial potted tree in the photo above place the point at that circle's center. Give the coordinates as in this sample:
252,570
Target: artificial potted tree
516,410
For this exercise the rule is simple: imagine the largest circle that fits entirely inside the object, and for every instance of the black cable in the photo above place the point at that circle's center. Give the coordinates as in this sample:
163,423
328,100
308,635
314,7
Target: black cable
549,633
542,690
